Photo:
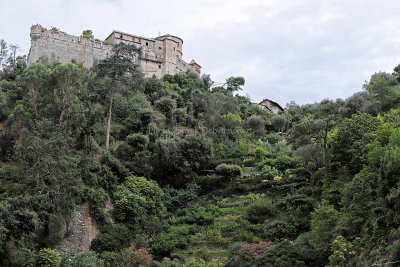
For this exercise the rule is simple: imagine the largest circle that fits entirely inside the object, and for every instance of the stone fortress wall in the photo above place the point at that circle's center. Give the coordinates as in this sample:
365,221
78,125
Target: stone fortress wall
160,56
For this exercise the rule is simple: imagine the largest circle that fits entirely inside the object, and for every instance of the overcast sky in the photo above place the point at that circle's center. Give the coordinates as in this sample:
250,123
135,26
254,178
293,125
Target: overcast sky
302,50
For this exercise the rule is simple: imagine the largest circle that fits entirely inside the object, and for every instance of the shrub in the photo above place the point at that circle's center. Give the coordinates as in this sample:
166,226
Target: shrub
142,241
137,198
57,228
98,199
251,197
234,247
208,183
250,162
113,238
111,259
215,236
136,257
228,170
276,230
284,162
176,238
87,259
174,199
231,161
253,253
204,254
260,210
268,172
243,235
19,258
342,250
260,153
48,257
272,138
200,215
194,263
88,34
295,201
395,252
285,254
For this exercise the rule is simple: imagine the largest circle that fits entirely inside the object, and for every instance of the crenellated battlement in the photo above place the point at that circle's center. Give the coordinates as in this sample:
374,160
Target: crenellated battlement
161,55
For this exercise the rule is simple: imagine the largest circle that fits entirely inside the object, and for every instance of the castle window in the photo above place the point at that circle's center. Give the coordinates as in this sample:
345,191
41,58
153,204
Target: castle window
147,44
159,67
174,48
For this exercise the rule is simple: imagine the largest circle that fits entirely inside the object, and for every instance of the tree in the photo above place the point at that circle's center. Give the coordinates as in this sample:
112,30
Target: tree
134,153
312,156
50,172
3,52
349,141
67,77
113,238
234,83
167,162
382,92
328,113
16,222
230,123
138,198
36,78
199,101
195,151
323,223
279,122
357,203
167,106
119,70
207,81
14,48
257,124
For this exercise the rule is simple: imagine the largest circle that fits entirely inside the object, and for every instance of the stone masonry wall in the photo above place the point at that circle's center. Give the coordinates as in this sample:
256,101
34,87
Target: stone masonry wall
162,55
62,47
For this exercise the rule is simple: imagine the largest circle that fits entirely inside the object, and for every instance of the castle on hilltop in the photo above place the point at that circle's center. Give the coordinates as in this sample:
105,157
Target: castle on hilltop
161,55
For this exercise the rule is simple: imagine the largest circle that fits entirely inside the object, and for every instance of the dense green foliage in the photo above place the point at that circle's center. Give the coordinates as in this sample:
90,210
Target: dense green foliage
196,175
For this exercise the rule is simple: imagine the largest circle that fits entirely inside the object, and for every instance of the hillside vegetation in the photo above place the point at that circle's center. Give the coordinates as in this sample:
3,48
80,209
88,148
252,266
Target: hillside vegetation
197,174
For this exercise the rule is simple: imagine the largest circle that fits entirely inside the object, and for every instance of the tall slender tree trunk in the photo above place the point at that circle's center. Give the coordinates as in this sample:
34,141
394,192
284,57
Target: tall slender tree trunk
35,102
63,110
312,182
326,158
109,113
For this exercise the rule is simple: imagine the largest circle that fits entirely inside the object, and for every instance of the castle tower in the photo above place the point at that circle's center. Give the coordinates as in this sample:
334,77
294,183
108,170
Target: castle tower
172,52
196,67
36,31
34,51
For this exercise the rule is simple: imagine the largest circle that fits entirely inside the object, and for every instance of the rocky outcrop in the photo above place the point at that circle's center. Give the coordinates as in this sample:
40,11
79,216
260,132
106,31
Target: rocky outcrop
81,230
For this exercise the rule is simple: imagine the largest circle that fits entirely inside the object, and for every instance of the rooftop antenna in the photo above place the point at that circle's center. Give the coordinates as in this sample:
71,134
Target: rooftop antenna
159,34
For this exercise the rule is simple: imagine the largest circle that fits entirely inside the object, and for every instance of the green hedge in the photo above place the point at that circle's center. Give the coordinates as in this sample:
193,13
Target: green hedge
229,170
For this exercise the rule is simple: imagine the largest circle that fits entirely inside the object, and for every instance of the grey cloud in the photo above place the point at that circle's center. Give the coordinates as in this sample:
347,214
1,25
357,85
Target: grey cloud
287,50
